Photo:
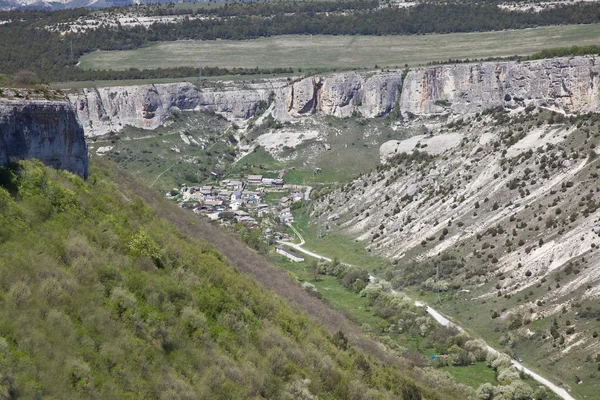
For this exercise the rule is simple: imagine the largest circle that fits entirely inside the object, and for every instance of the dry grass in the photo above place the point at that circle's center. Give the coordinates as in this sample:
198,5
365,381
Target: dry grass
344,52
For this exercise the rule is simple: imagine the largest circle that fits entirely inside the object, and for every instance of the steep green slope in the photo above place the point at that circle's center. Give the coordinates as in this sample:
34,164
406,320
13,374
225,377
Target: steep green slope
103,298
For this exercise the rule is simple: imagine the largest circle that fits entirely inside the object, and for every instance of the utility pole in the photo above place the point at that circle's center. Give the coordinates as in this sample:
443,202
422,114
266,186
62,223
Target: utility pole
72,57
200,73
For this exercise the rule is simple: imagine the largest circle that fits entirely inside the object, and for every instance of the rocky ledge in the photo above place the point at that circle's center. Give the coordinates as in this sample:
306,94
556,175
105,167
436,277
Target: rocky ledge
44,129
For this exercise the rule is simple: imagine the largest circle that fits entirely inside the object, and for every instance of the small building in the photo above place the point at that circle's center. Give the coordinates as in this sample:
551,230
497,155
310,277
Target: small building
235,185
285,216
255,179
206,190
289,254
212,204
236,196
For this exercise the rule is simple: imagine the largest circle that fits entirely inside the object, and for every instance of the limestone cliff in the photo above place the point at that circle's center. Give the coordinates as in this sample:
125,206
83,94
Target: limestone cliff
565,84
107,109
44,129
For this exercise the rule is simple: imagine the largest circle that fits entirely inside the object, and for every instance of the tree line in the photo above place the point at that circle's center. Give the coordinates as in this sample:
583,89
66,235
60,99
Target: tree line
26,45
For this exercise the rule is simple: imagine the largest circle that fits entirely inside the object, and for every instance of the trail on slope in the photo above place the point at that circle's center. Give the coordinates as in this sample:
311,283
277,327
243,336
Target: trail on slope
161,174
442,320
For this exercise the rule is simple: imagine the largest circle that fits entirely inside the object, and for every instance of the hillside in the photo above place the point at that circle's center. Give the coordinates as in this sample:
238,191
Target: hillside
496,216
103,297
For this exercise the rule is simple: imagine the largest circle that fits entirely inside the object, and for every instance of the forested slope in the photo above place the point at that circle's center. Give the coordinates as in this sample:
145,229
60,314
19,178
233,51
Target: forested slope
103,297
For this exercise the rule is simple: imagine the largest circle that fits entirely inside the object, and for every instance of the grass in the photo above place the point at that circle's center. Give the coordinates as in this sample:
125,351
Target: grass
206,81
358,309
354,149
336,295
474,375
475,317
334,244
148,154
344,52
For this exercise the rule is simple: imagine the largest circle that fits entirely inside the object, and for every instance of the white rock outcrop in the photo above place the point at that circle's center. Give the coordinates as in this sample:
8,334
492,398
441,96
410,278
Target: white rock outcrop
567,85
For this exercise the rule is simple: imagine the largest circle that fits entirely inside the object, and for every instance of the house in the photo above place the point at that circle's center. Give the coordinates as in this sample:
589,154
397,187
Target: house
289,254
248,221
267,181
296,196
251,196
285,216
254,179
235,185
212,204
236,196
277,183
206,190
284,201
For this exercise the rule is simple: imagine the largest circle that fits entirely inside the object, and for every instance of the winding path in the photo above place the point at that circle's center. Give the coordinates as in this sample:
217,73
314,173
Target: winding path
442,320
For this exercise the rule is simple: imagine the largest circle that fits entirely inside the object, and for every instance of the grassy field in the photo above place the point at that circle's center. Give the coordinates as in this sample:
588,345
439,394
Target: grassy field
334,244
343,52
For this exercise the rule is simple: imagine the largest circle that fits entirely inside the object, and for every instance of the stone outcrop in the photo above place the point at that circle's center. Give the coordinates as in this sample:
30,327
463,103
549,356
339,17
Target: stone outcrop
44,129
565,84
102,110
107,109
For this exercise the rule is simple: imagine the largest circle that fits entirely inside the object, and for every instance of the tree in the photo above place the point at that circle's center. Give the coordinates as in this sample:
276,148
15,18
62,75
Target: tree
485,392
25,78
314,266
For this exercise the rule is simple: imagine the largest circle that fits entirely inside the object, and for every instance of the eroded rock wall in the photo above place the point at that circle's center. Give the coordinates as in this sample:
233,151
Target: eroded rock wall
46,130
102,110
565,84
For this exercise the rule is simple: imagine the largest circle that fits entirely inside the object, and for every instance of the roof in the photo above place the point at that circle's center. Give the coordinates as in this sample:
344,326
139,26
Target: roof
255,177
290,252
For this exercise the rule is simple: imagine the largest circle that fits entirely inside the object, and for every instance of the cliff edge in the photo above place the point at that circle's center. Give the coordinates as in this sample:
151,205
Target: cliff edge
44,129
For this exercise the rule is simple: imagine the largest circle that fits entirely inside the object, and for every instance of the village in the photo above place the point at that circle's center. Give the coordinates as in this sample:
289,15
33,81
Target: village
253,201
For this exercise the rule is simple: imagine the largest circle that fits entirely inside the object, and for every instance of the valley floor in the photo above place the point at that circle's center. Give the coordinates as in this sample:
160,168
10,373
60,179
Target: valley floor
441,319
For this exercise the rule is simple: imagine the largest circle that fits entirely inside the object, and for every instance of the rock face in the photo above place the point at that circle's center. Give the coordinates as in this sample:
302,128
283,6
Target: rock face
43,129
565,84
107,109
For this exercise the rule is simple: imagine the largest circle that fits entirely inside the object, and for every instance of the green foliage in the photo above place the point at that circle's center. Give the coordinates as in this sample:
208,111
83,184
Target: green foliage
49,55
86,313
